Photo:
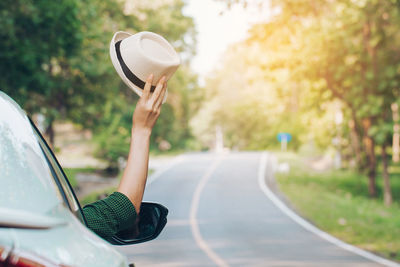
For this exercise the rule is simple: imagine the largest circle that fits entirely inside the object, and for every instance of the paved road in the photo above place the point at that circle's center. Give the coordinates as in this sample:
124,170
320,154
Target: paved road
219,216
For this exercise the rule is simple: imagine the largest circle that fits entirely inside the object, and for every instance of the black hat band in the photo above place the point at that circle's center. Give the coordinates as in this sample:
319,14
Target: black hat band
131,77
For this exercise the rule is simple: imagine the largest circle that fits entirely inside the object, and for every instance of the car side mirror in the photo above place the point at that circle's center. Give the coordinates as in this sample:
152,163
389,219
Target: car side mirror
149,224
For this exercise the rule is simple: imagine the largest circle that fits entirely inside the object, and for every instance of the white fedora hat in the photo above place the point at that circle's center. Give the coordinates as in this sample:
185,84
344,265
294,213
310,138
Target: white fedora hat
137,56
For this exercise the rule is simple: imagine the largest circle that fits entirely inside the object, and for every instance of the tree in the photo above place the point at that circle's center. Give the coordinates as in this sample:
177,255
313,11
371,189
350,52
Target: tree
114,118
35,47
355,58
54,57
341,50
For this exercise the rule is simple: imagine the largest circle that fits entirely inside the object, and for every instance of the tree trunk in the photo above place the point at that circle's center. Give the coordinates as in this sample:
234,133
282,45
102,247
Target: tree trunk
396,133
355,143
50,133
371,159
371,167
387,192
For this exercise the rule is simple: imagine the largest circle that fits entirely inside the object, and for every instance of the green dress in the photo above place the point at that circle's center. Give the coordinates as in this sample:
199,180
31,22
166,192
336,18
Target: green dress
108,216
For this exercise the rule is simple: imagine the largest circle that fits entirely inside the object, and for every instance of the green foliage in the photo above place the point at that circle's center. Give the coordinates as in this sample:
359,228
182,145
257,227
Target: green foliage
309,61
54,59
264,100
113,132
112,125
34,44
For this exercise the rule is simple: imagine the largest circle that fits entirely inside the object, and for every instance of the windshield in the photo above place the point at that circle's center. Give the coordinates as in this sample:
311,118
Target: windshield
26,181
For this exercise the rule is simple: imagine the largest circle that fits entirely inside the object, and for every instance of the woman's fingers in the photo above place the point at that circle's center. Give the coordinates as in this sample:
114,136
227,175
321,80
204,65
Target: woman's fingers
161,98
147,87
157,92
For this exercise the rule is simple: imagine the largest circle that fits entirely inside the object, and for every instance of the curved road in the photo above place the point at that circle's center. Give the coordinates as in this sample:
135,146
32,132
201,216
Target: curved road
219,216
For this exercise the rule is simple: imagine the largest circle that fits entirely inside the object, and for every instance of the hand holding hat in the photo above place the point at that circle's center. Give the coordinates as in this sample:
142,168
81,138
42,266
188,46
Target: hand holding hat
135,57
149,105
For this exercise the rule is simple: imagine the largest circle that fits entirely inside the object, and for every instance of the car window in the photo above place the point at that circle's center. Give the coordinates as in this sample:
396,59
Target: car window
63,180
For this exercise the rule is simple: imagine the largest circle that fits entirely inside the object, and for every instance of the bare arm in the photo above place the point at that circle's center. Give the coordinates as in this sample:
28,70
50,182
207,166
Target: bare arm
145,116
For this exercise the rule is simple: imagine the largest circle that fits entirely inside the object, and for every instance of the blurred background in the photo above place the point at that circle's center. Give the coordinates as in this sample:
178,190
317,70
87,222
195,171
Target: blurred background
318,82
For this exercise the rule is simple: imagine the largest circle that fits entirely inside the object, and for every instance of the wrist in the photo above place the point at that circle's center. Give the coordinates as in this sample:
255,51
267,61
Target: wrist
142,132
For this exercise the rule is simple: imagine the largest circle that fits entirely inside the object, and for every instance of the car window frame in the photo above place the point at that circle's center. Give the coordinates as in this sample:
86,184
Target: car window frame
56,176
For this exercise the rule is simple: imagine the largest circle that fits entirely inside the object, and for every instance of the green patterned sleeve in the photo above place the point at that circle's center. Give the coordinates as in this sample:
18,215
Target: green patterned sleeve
108,216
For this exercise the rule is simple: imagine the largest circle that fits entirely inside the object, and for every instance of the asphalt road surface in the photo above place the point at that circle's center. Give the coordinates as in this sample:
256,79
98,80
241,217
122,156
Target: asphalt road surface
219,216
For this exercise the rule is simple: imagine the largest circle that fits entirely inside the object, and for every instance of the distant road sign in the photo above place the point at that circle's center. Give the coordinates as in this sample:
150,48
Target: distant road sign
284,137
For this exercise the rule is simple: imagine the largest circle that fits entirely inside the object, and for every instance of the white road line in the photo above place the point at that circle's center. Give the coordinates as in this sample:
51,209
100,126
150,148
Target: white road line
193,221
161,171
310,227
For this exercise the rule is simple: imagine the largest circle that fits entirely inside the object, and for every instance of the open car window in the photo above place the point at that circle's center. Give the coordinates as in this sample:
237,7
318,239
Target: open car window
60,176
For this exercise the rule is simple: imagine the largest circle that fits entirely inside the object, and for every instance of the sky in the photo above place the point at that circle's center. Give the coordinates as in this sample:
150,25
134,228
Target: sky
217,31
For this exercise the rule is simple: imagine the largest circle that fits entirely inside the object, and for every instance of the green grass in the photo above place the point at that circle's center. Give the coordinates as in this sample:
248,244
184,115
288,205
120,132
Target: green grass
337,202
71,174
